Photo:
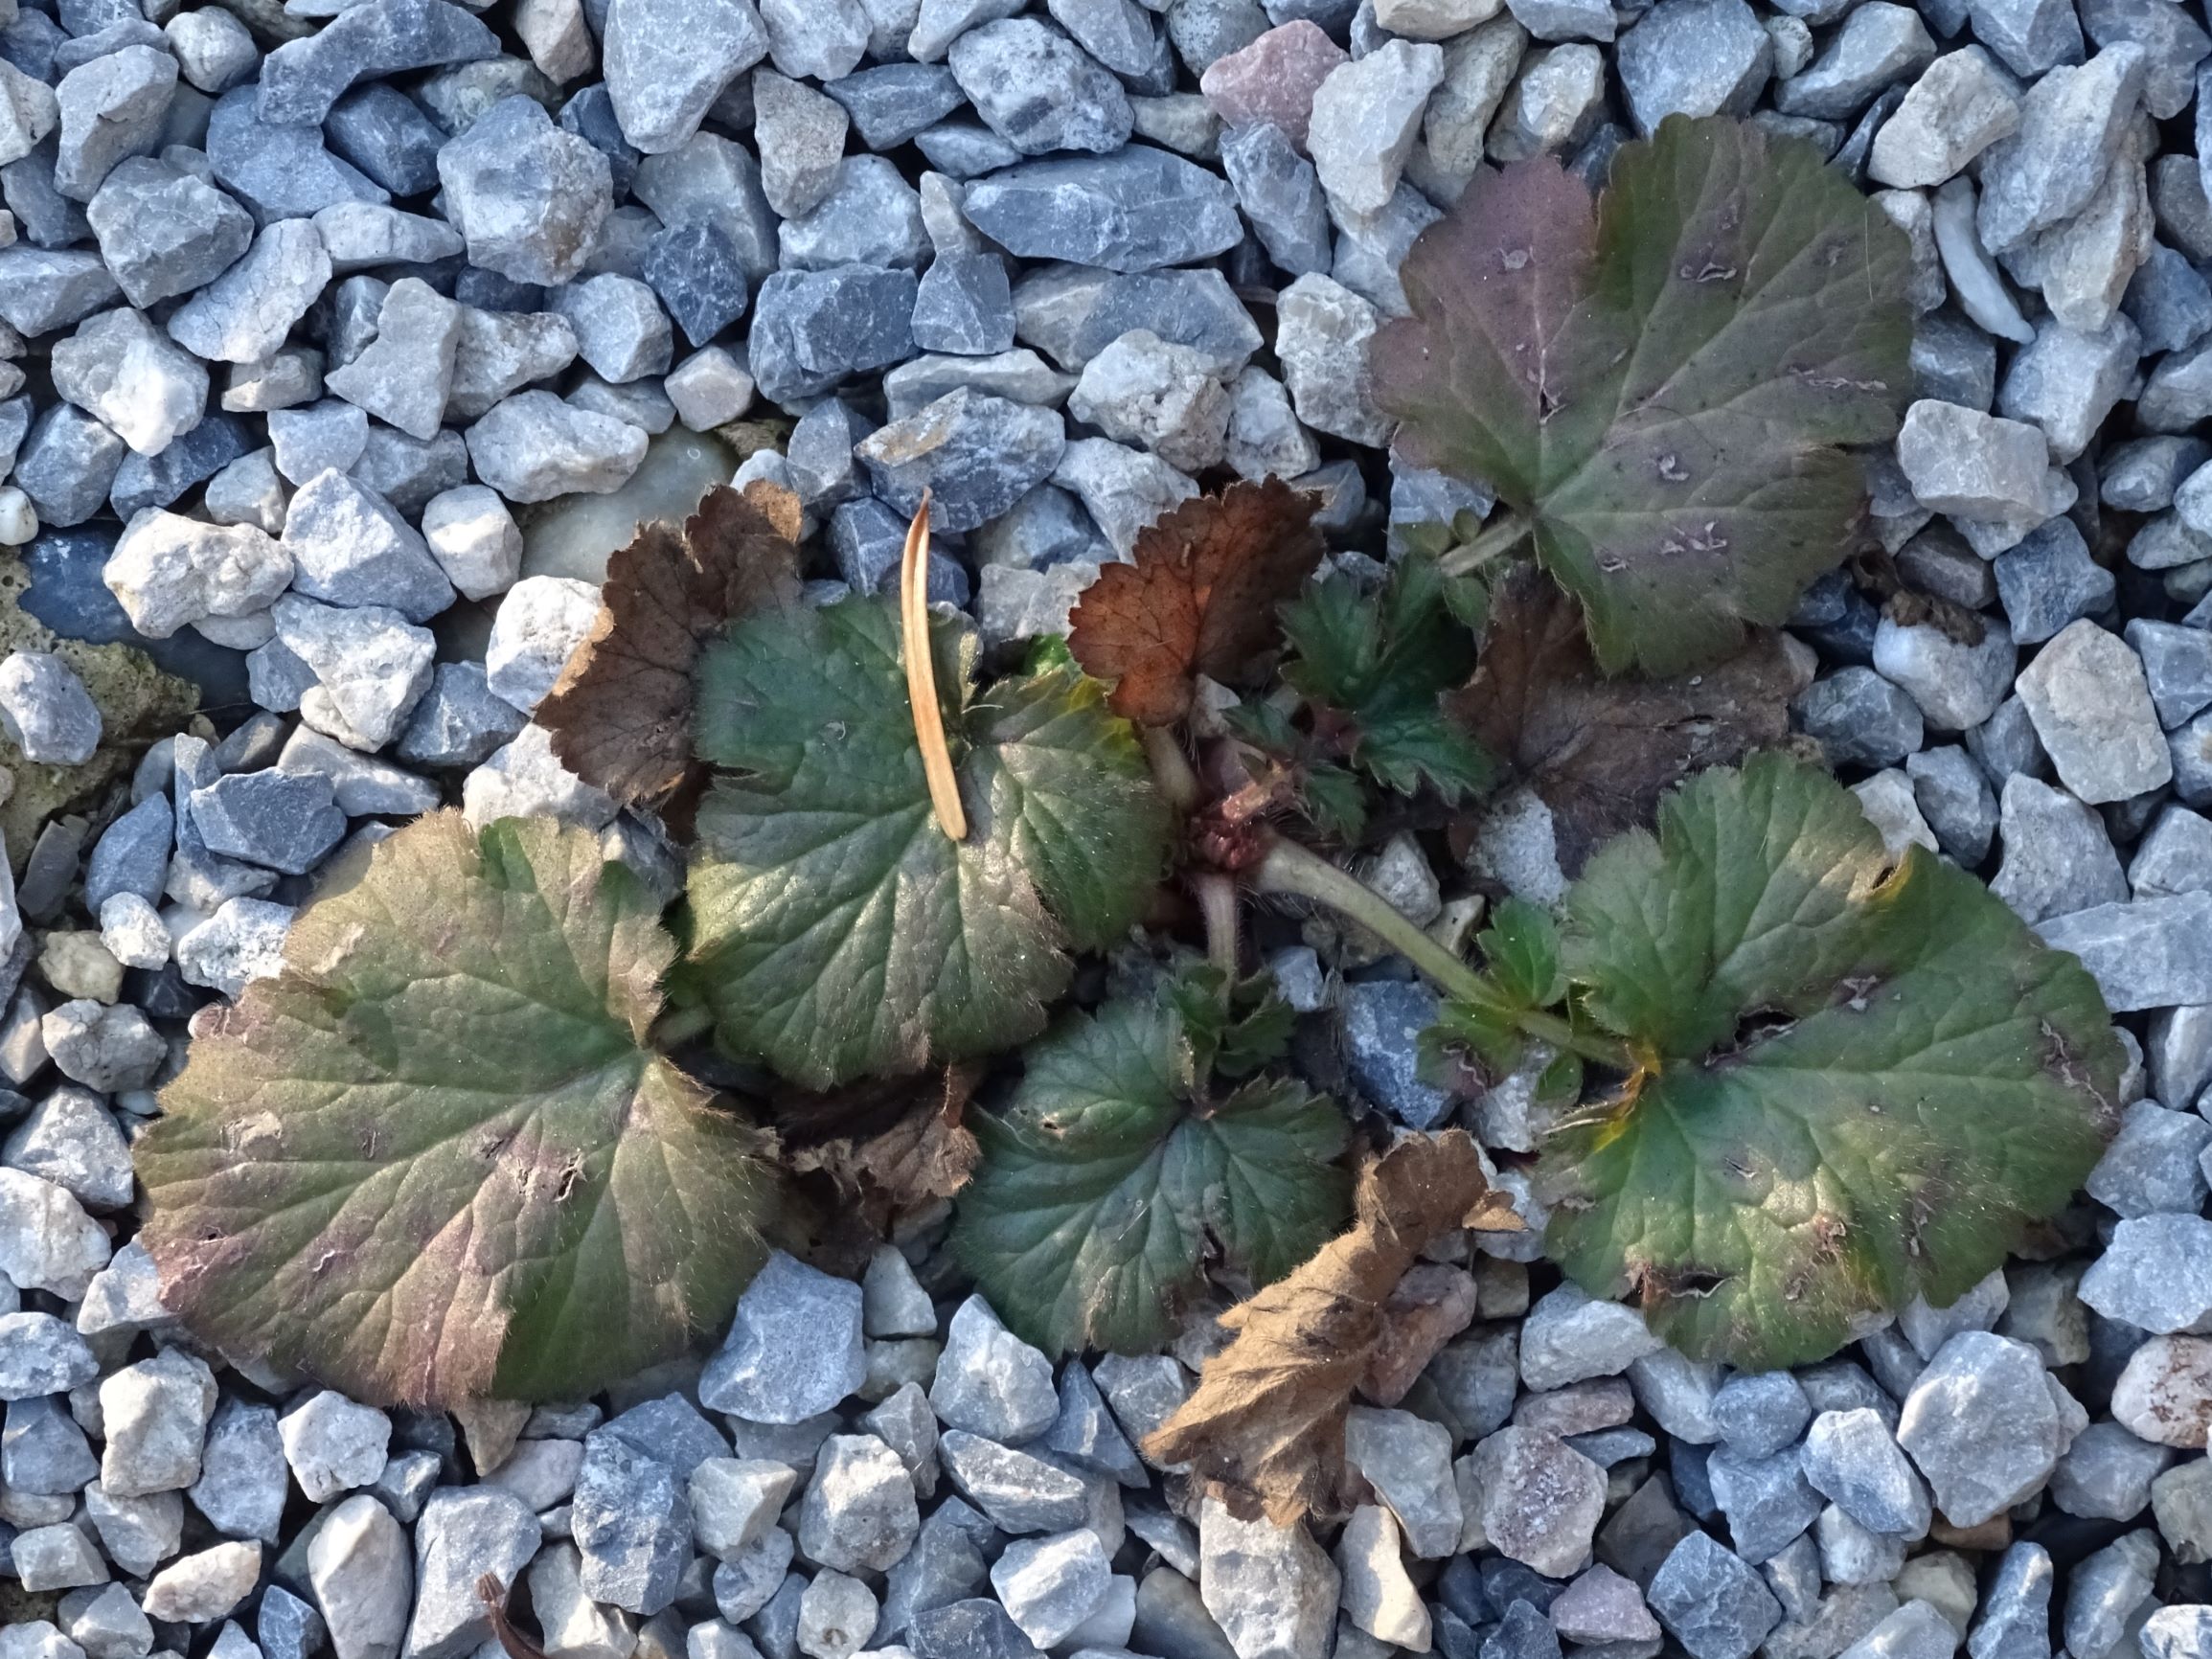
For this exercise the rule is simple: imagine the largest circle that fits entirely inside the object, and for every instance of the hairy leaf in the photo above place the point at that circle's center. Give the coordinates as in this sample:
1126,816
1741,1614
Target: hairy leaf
1863,1075
621,715
1661,386
836,930
1374,666
1264,1428
1113,1177
1199,597
435,1160
1601,752
1233,1027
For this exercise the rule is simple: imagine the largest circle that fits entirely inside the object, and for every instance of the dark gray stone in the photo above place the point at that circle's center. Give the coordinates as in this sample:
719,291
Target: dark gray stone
1038,90
145,481
132,854
301,79
977,1628
697,271
2050,579
964,304
1135,210
1281,193
459,723
890,103
384,133
1072,313
978,455
68,463
277,820
42,290
1859,718
811,329
965,148
163,231
1710,1602
1383,1020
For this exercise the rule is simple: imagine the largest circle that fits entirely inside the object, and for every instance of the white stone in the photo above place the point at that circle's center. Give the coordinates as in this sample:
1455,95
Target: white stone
540,621
474,540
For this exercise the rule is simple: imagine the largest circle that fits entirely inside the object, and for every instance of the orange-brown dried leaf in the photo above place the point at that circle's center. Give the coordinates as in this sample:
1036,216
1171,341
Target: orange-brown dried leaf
1599,751
1264,1428
1199,597
494,1596
621,715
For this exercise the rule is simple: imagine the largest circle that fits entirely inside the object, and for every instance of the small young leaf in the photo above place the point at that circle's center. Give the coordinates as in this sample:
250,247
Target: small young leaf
1105,1189
1601,752
1374,666
1521,949
1662,388
1864,1075
1233,1027
1199,597
1264,1428
836,930
621,716
435,1160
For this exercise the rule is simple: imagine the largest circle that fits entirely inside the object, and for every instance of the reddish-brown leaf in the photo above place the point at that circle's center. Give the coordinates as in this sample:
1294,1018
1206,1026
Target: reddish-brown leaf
1264,1428
1601,752
1199,597
621,716
493,1595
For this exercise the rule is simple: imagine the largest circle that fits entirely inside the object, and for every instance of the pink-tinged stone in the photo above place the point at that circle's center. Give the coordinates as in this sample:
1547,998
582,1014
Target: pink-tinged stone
1274,78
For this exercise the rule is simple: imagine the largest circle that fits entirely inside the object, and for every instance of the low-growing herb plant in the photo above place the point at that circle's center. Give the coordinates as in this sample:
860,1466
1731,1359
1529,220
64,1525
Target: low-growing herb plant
464,1144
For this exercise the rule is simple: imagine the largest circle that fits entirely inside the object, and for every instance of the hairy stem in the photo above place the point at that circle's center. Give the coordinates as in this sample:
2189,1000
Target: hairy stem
1291,869
922,677
1498,539
1217,904
1171,767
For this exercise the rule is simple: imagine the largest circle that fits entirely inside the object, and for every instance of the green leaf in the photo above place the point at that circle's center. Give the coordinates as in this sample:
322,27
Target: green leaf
1233,1027
1376,664
835,930
1521,949
1105,1189
435,1159
1865,1075
1662,387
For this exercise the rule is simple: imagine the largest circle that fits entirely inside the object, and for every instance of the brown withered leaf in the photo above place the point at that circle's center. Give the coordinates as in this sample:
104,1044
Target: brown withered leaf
1599,751
1264,1430
494,1596
621,715
1199,597
883,1148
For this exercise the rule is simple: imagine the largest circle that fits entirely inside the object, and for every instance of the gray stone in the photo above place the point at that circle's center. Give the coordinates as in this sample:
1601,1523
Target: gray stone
891,102
458,721
1960,105
735,1502
2067,381
1955,798
1878,44
1710,1602
963,305
370,665
1693,58
2058,857
1852,1458
1535,1498
2072,122
1983,1425
110,107
943,1566
351,548
977,454
2106,1589
302,78
2155,1274
1364,120
870,216
2031,36
1279,191
794,1348
103,1048
2169,302
2108,1473
1760,1413
1050,1587
1038,90
1568,1336
242,1480
363,1582
42,1450
667,60
1382,1023
2106,744
2050,579
281,820
154,1415
404,375
244,314
533,446
43,1356
811,329
1135,210
988,1381
1858,717
2015,1619
1072,313
1765,1499
163,231
45,710
630,1519
2149,953
528,197
67,465
2151,1166
1270,1589
1021,1493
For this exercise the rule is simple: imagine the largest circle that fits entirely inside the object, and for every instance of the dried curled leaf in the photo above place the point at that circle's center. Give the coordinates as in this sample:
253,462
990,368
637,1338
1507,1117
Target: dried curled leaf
1662,385
885,1147
1601,752
492,1595
1861,1077
437,1158
621,715
1264,1428
1199,597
